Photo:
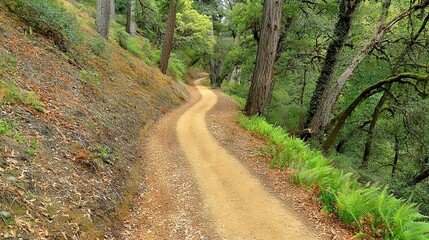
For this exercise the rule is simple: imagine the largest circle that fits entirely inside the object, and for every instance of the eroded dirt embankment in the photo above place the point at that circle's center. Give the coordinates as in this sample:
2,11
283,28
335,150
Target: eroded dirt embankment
70,127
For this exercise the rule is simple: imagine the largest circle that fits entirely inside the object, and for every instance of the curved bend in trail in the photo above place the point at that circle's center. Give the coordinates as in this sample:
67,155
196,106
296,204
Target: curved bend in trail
237,202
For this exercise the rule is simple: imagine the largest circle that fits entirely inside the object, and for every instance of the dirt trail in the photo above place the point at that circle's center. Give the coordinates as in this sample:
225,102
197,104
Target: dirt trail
239,205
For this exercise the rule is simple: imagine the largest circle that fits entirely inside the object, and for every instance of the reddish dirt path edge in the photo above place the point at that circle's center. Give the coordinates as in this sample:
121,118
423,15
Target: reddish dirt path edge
234,199
170,205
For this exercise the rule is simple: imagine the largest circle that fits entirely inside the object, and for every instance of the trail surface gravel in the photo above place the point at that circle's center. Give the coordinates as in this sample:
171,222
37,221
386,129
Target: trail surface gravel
207,178
238,203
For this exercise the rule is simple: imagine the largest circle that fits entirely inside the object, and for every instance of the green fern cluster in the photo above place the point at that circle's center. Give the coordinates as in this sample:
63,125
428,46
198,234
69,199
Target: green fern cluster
369,209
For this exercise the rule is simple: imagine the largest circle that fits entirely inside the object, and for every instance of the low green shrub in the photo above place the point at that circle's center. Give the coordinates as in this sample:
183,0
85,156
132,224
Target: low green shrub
4,126
13,95
88,76
122,37
140,48
49,18
236,90
289,116
370,210
97,45
177,66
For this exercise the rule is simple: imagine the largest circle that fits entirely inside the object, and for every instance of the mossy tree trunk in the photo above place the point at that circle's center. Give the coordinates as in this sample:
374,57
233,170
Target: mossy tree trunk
370,136
330,95
167,47
396,158
342,27
267,50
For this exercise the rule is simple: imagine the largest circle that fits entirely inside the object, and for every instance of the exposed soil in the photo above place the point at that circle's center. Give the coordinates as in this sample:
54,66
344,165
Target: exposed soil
211,181
68,172
236,201
169,206
254,153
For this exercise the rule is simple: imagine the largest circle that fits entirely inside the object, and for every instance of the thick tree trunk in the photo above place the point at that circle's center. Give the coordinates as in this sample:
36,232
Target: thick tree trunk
112,10
215,73
102,21
131,22
341,119
347,8
268,41
420,177
169,35
215,68
330,96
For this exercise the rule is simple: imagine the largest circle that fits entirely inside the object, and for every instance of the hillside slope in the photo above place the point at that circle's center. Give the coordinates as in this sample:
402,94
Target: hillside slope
71,126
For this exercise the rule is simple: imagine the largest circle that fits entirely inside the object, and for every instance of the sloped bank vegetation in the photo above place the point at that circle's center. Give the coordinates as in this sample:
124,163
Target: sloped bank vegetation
74,108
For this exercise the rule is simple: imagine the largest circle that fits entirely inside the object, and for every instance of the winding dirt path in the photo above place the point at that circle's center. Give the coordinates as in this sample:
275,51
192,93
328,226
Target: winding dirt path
233,198
195,189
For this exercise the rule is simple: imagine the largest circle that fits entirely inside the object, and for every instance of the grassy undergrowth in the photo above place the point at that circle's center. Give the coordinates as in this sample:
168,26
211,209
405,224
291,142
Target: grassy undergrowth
371,210
13,95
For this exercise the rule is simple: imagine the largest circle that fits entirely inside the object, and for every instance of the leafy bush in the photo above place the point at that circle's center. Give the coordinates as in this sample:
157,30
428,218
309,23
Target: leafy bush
4,126
290,117
97,45
140,48
370,210
49,18
176,66
235,89
87,76
123,38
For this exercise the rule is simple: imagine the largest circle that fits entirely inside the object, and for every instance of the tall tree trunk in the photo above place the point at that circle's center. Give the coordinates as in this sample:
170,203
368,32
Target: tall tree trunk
131,22
341,119
330,96
347,8
396,158
268,41
112,10
233,76
215,73
216,65
370,135
169,35
102,21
